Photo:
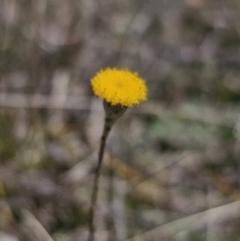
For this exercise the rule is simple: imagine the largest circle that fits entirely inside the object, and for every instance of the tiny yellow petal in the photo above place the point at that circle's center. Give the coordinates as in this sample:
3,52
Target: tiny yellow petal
119,87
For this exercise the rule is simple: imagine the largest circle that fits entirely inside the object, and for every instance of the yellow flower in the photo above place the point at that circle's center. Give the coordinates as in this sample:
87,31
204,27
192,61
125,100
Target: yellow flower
119,87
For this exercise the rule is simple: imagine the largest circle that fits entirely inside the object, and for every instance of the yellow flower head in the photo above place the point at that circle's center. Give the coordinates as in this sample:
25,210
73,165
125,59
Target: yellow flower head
119,87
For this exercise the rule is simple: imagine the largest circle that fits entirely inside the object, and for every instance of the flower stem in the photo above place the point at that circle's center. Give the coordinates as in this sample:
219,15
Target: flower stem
106,130
112,114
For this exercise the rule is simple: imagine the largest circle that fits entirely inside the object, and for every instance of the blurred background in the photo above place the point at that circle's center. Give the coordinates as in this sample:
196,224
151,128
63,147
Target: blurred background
171,169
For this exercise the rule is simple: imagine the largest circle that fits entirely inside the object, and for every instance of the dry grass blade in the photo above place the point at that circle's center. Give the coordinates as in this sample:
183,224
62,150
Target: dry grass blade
81,170
219,214
33,227
42,101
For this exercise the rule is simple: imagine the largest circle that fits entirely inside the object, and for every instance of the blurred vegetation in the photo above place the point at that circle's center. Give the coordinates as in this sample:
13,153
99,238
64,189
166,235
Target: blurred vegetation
171,171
